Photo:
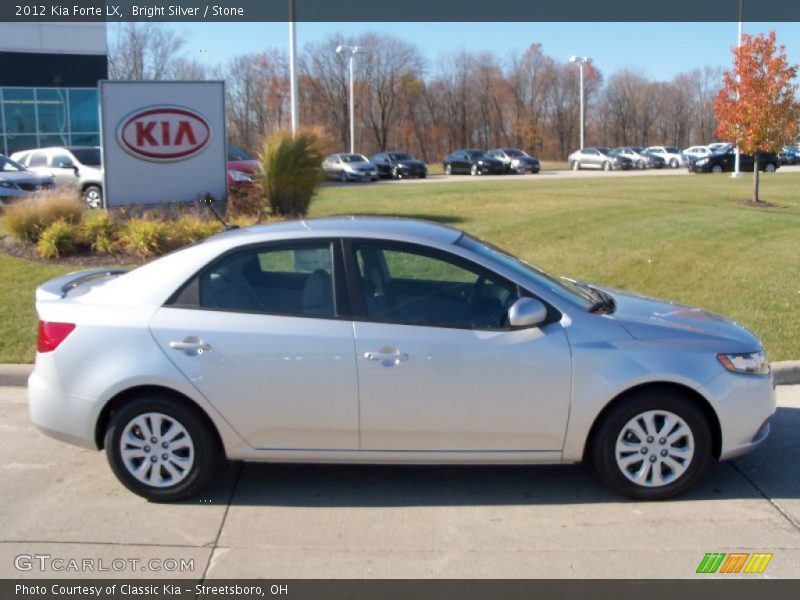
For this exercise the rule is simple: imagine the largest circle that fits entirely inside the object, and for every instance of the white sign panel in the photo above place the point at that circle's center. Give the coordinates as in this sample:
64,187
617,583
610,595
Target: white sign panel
163,141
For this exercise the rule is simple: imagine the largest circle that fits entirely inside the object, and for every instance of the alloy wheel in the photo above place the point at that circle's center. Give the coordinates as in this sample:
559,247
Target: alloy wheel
157,450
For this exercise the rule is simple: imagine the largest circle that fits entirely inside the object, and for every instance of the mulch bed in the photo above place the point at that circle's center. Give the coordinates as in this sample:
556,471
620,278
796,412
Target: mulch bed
13,248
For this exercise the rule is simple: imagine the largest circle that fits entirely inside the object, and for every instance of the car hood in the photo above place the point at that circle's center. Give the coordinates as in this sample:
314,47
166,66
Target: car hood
410,163
244,166
358,165
527,159
25,177
651,319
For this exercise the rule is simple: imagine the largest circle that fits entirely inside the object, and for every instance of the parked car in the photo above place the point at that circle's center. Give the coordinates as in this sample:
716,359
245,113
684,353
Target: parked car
386,340
516,160
789,155
241,168
397,165
656,160
17,182
349,167
640,161
472,162
77,167
695,152
672,155
724,159
598,158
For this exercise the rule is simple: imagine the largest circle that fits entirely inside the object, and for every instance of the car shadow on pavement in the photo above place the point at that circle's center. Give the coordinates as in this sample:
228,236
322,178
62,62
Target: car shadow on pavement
772,471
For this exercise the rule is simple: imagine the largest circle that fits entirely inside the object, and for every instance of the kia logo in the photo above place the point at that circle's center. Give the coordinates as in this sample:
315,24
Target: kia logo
164,133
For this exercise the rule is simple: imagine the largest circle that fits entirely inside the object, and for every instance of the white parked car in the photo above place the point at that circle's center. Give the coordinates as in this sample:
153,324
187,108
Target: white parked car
672,155
386,341
697,152
77,167
349,167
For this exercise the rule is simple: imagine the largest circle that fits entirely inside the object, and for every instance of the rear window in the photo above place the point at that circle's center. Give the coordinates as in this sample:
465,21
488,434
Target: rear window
87,156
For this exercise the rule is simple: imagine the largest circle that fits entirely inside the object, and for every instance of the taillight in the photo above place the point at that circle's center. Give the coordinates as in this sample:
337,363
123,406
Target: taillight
52,334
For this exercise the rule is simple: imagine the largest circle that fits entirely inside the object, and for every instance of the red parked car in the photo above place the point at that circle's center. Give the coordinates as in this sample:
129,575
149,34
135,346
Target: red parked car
241,168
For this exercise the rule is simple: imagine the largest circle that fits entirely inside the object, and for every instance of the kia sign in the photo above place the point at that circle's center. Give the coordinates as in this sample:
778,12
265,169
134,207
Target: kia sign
164,133
163,141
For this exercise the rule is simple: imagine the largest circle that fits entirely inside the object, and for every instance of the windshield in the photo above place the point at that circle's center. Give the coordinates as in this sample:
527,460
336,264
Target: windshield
235,153
673,150
6,164
349,158
475,154
561,287
723,149
637,149
515,153
603,150
87,156
399,156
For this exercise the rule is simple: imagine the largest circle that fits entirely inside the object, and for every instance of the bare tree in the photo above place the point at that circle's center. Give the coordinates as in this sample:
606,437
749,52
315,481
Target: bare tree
144,51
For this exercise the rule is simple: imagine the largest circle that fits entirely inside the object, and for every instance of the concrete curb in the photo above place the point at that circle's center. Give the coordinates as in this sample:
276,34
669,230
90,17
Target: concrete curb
786,372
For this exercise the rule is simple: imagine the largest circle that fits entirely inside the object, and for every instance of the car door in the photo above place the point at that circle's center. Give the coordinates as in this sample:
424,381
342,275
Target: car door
263,333
438,367
593,158
64,169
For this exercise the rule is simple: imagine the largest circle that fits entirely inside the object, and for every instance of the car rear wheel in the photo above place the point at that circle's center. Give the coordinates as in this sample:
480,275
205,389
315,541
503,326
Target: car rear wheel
473,170
160,449
652,446
640,164
770,167
716,169
448,170
343,177
673,162
575,165
606,166
93,196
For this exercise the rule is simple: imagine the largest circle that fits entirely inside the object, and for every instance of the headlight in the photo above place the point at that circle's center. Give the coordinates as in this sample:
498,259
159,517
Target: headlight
701,162
754,363
7,184
239,176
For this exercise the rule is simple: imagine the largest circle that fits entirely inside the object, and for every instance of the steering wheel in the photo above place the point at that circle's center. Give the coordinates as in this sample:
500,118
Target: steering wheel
474,294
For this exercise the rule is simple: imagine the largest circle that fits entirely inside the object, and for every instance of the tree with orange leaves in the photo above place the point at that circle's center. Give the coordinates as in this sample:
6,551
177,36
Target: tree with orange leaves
756,107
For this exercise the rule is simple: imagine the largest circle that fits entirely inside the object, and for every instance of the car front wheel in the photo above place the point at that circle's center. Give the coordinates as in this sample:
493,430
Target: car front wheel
93,196
716,169
160,449
474,170
575,165
448,170
652,446
770,167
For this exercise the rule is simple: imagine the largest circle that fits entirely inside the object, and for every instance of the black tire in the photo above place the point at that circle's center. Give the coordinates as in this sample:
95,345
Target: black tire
770,167
207,450
343,177
423,175
640,164
448,170
93,196
673,162
473,170
606,166
609,429
716,169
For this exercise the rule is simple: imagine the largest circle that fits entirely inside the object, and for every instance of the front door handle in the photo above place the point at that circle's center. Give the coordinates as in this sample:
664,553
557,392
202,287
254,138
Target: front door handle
190,345
388,356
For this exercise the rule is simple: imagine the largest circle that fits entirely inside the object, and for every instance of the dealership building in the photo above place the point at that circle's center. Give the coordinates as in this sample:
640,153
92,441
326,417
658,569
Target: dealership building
48,84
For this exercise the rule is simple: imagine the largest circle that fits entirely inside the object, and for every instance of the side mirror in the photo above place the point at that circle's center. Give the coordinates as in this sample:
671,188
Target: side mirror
527,312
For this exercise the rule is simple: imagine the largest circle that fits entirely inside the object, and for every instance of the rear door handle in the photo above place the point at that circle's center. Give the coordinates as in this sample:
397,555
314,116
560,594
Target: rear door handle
190,345
386,356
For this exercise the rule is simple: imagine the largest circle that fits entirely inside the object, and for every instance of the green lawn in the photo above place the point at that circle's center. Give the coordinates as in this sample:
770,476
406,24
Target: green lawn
679,238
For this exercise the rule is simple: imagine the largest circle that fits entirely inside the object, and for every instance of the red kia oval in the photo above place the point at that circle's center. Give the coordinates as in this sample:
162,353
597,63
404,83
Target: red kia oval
164,133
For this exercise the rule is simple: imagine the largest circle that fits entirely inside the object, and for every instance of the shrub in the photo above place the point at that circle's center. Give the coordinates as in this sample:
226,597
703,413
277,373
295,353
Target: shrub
188,229
59,239
246,202
145,236
292,168
26,220
100,232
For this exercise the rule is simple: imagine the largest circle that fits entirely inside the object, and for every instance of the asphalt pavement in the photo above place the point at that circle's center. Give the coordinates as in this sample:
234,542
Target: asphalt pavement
317,521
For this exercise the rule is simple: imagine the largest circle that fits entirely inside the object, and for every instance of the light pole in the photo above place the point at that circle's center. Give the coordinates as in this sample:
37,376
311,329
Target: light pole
581,60
352,50
293,66
736,172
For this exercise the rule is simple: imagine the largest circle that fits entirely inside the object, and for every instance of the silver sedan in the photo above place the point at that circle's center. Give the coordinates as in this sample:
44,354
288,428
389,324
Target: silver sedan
386,341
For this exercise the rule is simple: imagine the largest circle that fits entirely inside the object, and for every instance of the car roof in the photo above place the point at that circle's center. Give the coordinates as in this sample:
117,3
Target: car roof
347,226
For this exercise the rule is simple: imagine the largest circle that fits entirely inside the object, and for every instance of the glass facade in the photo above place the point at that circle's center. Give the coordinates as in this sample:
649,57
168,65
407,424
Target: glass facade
41,117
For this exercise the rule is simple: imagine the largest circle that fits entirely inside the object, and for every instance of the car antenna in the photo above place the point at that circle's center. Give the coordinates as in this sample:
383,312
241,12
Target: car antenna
208,200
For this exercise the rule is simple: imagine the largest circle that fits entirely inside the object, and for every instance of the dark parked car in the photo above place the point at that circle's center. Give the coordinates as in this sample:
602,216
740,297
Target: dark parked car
474,162
724,158
516,160
658,161
396,165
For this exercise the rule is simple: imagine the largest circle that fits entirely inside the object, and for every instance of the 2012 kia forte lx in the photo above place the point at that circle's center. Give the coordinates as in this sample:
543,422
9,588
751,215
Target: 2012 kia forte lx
386,341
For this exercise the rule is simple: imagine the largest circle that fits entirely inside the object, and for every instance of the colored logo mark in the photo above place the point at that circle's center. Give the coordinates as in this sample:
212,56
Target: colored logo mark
735,562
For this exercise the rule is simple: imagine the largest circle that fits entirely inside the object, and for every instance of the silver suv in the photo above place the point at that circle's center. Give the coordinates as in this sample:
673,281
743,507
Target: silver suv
71,166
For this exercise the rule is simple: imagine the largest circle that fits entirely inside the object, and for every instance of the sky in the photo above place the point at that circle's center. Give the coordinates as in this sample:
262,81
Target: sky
658,50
